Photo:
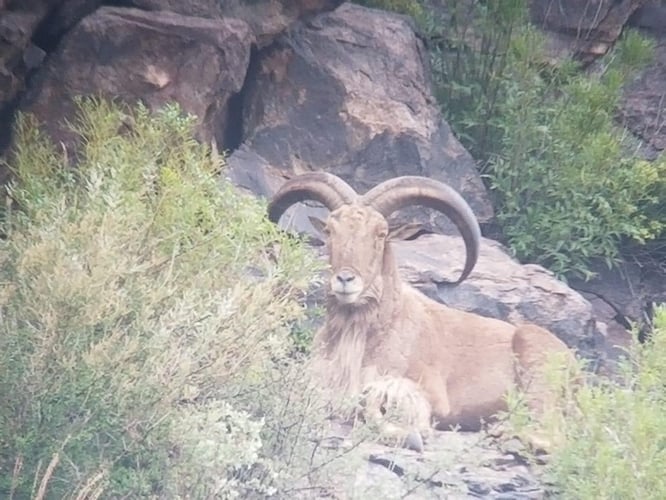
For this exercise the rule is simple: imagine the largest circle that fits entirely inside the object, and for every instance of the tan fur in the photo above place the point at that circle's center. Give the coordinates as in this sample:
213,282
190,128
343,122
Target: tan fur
398,348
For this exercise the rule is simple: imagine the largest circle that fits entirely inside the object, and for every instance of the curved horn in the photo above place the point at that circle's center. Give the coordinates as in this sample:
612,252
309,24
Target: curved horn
397,193
328,189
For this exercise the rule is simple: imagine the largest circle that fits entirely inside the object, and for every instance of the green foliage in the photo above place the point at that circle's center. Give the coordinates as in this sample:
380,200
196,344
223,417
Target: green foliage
614,444
568,187
568,190
471,55
144,304
408,7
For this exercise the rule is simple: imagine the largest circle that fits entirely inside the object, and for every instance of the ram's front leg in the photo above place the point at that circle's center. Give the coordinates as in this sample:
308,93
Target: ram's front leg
400,409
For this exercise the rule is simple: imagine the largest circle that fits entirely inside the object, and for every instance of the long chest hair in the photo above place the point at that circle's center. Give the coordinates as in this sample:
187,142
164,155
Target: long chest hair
353,330
349,328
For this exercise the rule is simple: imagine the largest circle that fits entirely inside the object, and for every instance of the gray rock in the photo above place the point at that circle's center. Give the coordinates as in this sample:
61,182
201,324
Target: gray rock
266,18
643,108
580,28
454,465
349,92
154,57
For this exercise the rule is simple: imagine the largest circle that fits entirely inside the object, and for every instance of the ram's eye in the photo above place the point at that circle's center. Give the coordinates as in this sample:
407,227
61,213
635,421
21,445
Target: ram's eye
381,234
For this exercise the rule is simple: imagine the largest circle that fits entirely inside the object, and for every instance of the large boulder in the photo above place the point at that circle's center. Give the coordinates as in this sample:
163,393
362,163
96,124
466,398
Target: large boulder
153,57
24,31
349,92
266,18
582,28
28,28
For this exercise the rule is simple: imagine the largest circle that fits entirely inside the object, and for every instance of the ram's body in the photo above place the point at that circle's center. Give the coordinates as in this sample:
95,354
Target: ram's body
462,363
390,343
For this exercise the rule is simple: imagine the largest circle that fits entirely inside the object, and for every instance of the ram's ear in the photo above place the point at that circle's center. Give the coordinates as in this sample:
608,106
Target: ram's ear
318,224
406,231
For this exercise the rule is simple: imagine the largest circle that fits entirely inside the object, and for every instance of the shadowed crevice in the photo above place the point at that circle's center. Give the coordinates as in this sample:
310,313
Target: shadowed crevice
233,134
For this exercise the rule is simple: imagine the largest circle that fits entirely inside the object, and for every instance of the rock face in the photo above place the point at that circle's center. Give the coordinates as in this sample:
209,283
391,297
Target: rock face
30,30
266,18
643,109
582,28
154,57
349,92
22,31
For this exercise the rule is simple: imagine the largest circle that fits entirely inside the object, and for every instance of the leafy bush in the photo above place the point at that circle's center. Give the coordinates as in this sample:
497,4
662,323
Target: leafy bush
613,445
568,187
568,190
145,314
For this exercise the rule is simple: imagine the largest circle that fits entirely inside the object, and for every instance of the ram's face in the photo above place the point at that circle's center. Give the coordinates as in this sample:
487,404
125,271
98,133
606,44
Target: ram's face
356,239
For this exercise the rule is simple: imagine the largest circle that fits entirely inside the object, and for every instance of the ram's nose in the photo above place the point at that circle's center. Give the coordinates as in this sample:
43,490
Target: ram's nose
346,285
345,277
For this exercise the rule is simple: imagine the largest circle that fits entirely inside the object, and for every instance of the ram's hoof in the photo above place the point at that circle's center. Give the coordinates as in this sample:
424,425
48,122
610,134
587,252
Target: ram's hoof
414,441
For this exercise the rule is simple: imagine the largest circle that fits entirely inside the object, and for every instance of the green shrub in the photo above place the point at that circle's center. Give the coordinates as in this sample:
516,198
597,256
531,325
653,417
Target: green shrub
614,443
407,7
568,190
567,185
145,312
470,52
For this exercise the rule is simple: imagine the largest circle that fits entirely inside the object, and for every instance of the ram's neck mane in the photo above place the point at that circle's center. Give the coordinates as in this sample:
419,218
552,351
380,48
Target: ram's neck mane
343,348
350,328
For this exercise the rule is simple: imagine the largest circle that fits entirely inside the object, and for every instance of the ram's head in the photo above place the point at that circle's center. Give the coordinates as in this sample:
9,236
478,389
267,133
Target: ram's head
357,230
